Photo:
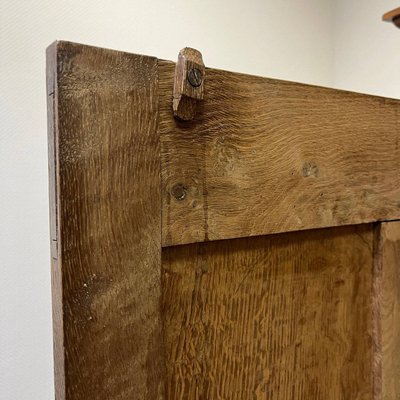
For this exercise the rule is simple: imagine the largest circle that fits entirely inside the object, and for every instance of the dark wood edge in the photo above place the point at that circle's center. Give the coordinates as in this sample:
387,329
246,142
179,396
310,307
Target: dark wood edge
385,303
56,275
377,251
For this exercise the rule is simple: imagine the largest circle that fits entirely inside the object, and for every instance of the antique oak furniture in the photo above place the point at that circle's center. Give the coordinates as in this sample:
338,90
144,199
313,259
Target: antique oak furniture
217,235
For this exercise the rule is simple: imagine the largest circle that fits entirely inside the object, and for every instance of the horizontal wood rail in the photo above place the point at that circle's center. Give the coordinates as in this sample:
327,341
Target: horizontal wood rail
265,156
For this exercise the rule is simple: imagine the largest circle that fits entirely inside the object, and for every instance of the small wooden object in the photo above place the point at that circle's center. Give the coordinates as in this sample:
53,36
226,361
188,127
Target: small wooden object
393,16
188,83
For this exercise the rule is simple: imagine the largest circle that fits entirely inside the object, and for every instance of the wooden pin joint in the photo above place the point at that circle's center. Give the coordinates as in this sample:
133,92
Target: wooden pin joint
393,16
188,84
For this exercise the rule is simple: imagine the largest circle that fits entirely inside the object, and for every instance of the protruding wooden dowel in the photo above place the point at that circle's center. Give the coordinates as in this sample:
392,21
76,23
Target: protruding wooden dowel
189,83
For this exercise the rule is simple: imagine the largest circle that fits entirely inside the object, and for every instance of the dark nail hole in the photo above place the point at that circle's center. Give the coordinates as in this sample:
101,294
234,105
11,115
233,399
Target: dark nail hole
179,191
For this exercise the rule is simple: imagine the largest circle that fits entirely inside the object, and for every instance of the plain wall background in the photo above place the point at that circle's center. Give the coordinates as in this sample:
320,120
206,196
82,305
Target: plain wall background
338,43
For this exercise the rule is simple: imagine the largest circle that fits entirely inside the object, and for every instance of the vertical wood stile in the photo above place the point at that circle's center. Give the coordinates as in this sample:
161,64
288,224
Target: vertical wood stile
105,202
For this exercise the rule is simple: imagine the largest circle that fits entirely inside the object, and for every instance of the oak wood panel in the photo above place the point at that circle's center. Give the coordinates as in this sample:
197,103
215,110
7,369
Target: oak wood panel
109,223
265,156
275,317
387,302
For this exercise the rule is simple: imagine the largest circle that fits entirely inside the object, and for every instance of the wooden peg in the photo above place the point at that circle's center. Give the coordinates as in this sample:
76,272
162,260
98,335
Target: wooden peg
188,84
393,16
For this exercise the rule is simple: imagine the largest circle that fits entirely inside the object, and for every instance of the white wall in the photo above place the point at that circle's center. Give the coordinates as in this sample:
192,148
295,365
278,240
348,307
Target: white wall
288,39
366,50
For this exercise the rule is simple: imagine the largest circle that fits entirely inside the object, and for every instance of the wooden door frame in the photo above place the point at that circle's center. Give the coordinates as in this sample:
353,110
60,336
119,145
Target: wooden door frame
115,156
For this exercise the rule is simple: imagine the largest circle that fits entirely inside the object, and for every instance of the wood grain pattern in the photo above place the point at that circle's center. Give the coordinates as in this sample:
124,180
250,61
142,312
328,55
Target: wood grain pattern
277,317
387,304
109,224
265,156
301,315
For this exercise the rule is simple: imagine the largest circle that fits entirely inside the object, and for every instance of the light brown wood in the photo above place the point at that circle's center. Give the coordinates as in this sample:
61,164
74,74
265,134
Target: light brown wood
188,83
393,16
266,156
387,315
300,315
106,207
277,317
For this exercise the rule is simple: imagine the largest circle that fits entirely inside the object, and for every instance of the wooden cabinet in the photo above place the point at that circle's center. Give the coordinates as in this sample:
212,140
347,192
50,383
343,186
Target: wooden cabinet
252,252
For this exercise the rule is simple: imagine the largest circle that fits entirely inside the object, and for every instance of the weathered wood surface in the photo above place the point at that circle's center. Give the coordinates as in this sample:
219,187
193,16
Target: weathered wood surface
387,311
304,315
108,268
277,317
265,156
188,83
